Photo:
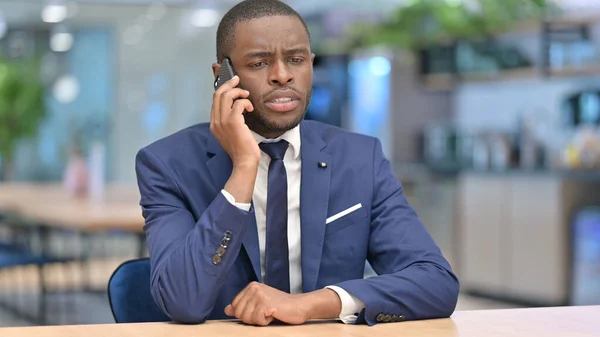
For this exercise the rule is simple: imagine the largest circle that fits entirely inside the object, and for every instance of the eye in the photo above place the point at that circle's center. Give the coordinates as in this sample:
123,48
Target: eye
296,60
258,65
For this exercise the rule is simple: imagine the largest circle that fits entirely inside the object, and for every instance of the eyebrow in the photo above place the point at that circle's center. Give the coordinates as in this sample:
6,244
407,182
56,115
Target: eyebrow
295,51
265,54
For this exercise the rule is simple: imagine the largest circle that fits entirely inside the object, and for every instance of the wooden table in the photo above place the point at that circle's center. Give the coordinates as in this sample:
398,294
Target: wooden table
544,322
51,205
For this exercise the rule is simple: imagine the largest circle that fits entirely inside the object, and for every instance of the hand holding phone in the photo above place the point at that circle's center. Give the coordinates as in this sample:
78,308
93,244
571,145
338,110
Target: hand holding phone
227,120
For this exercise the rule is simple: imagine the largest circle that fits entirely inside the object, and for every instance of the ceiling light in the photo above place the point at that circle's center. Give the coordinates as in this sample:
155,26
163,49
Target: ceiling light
54,13
380,66
205,17
66,89
61,42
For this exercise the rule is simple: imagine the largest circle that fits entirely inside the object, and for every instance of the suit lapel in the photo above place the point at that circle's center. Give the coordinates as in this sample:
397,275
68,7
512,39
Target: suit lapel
220,167
314,199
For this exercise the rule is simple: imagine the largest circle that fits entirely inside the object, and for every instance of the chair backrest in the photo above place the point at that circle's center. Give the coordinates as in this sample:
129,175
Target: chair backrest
129,294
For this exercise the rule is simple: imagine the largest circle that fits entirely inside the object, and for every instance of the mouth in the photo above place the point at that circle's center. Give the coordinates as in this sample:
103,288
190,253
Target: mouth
283,104
283,100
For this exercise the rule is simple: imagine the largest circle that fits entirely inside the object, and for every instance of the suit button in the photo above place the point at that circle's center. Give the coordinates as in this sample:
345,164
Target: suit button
216,259
380,317
225,243
387,319
220,251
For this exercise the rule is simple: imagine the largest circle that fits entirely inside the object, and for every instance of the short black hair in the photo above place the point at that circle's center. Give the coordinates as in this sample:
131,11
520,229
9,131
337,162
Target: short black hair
245,11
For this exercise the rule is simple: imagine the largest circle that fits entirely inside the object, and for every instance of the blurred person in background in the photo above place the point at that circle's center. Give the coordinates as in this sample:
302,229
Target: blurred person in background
262,215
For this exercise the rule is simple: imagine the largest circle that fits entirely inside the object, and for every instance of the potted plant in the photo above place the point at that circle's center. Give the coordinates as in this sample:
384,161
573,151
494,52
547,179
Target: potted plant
424,23
22,107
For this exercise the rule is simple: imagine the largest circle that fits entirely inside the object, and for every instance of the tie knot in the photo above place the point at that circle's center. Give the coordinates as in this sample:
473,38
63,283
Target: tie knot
275,150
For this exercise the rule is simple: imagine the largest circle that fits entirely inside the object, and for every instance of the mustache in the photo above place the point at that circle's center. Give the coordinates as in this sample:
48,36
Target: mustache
300,93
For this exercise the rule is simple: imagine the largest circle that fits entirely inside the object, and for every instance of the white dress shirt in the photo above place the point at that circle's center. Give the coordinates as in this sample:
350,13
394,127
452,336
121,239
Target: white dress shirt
293,164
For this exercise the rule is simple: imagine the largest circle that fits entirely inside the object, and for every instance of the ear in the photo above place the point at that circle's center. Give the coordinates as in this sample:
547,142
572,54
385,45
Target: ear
312,58
216,67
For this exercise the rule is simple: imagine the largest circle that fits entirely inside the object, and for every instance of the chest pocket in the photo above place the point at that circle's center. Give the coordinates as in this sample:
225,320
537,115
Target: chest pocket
343,219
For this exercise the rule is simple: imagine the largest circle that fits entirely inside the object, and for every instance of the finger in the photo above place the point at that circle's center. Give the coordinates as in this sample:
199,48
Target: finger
240,307
271,313
232,83
215,111
251,287
229,310
233,94
260,317
216,106
238,297
246,296
228,97
240,106
215,117
227,101
248,314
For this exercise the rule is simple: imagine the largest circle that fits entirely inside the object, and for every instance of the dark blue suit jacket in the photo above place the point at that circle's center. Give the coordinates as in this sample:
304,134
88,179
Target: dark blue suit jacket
180,178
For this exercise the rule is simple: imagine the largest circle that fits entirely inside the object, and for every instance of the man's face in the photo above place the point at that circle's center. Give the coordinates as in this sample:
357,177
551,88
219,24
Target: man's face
273,59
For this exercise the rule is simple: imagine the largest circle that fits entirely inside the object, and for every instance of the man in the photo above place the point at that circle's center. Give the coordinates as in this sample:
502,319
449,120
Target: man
262,216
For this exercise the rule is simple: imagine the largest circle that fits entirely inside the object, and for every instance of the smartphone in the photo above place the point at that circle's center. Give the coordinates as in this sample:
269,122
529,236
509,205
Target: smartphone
225,73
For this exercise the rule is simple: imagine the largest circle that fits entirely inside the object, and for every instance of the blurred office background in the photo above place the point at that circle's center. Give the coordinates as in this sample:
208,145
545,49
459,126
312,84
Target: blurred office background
488,109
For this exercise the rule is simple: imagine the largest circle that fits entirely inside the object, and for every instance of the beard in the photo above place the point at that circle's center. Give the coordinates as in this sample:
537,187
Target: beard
260,123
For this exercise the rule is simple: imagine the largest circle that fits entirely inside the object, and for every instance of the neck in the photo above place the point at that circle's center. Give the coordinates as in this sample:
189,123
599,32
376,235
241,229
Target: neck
269,134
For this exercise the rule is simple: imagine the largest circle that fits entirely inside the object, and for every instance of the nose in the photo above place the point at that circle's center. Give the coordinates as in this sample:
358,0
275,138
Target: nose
280,74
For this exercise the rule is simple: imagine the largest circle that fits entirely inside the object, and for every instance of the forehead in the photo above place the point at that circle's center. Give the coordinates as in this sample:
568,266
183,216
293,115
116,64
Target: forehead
269,33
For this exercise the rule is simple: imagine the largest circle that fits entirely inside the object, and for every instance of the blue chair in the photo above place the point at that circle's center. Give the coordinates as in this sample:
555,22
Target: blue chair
14,256
10,257
129,294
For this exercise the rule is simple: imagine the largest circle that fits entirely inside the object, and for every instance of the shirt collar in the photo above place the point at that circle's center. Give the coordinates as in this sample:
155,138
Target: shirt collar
291,136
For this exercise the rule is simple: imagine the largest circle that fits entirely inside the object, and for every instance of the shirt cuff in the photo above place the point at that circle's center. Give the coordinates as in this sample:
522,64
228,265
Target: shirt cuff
351,305
231,199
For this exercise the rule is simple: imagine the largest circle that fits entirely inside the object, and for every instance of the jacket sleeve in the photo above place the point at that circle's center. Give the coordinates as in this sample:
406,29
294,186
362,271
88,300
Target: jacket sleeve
414,280
185,274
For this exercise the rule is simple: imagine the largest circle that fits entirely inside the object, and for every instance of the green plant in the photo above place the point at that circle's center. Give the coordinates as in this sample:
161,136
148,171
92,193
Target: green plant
21,105
425,22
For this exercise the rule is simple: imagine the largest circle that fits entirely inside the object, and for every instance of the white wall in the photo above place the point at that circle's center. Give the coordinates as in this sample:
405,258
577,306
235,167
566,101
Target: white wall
173,53
185,64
